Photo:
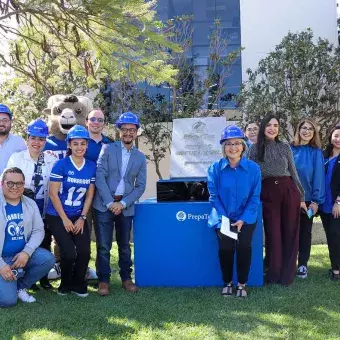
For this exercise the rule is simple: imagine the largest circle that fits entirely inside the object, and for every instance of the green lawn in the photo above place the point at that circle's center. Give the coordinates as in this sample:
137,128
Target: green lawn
308,309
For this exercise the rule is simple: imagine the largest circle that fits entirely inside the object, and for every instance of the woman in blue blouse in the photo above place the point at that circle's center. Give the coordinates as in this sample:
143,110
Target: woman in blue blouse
330,210
309,161
234,184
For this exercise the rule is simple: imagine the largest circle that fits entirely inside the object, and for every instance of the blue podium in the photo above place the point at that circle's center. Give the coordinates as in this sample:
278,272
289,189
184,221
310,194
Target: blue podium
174,246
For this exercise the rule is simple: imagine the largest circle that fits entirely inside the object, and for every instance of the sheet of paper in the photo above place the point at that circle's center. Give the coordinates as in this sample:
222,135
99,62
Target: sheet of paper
225,228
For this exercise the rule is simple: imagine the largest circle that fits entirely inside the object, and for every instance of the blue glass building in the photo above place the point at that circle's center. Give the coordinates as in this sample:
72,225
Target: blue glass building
204,13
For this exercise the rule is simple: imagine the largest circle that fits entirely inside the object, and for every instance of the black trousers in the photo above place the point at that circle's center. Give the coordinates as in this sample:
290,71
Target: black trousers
226,252
46,243
305,238
332,230
75,254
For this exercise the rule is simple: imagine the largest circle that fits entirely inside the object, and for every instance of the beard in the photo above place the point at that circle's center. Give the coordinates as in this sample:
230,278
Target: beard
5,132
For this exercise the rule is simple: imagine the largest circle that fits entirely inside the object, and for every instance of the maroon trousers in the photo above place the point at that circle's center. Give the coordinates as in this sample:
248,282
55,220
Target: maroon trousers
281,220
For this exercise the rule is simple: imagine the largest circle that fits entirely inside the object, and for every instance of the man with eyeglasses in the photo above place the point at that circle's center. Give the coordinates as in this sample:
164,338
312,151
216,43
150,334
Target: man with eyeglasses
22,262
9,143
95,123
120,182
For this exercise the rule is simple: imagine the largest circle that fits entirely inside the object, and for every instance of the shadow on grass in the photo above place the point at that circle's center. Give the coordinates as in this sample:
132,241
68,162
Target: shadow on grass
307,309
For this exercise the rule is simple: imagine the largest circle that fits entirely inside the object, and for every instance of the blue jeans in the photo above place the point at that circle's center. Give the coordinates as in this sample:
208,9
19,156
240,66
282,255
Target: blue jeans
104,224
38,265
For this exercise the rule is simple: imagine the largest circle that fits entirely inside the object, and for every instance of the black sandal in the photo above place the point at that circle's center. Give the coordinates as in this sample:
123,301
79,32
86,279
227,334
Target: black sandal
241,292
227,290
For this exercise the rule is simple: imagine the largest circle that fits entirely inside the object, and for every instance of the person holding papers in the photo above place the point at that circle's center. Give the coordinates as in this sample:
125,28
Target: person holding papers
234,184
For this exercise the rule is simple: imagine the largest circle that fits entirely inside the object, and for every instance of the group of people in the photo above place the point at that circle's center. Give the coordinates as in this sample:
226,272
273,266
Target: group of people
96,181
45,194
294,182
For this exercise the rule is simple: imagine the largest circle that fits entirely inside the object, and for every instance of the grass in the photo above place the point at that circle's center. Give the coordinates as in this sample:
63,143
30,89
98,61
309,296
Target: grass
308,309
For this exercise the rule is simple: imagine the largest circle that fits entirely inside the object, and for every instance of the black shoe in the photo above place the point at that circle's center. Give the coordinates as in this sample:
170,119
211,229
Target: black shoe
335,277
35,288
44,283
63,290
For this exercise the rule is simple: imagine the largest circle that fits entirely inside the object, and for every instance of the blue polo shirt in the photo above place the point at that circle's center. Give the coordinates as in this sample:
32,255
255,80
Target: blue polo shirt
14,232
94,148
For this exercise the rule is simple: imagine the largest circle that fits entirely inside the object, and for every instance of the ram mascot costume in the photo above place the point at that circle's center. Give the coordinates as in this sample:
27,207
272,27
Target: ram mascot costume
64,111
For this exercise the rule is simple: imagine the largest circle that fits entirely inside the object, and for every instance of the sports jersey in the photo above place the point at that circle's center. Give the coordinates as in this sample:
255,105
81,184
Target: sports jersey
75,181
59,147
14,232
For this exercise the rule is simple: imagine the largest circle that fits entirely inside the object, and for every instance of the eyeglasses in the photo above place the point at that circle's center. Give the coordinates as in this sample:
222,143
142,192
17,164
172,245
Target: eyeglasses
255,129
125,130
305,128
5,120
94,119
11,184
237,144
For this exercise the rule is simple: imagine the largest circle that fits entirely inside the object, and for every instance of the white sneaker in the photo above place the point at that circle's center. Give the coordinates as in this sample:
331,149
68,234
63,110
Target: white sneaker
25,297
55,272
302,272
83,295
91,274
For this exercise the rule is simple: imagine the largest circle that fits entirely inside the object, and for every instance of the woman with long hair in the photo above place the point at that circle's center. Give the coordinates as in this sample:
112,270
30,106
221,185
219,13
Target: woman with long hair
309,163
71,192
330,210
282,194
36,166
234,174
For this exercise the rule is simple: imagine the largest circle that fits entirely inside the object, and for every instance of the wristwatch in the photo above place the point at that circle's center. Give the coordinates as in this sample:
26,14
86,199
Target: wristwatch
83,217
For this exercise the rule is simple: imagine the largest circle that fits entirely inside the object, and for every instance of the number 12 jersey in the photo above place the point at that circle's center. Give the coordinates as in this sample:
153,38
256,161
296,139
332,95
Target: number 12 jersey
75,182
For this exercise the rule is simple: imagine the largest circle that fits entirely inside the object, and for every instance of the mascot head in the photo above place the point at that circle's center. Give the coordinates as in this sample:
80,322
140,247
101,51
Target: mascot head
66,111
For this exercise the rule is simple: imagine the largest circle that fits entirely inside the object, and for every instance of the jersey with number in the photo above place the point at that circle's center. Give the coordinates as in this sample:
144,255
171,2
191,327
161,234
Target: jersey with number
75,181
59,147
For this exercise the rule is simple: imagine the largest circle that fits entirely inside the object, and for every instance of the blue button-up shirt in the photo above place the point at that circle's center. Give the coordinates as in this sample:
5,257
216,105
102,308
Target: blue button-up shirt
94,148
235,192
11,145
125,160
327,207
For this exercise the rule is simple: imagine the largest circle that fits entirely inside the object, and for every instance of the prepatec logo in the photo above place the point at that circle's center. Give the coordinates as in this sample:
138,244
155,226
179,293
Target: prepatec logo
182,216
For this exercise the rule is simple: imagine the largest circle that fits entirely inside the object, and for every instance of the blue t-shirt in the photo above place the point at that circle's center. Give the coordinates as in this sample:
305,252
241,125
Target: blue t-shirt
14,233
94,148
329,202
59,147
74,184
40,193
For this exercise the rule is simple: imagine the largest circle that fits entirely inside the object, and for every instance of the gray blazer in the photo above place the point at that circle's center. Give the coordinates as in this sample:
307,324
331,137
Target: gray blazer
109,167
34,225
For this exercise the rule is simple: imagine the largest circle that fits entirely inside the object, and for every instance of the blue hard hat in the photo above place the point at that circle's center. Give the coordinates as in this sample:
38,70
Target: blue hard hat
232,131
5,109
127,118
37,128
77,131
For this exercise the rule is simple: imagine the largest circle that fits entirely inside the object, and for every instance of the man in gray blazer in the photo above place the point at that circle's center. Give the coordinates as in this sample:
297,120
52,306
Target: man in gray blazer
120,182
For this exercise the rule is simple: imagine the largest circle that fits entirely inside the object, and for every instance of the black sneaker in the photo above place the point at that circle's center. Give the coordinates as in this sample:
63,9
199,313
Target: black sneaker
302,272
63,291
335,277
44,283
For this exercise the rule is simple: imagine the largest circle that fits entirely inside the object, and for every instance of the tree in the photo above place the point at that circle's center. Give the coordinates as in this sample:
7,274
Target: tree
300,78
84,37
188,95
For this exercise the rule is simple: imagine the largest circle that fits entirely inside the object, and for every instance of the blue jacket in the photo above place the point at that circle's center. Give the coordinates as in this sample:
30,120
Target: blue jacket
234,193
309,164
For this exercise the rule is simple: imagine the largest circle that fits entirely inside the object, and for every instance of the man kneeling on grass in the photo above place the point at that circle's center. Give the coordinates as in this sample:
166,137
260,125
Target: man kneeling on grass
22,263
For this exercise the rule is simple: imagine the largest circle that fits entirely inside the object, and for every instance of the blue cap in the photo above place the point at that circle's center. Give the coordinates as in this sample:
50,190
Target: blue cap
77,131
37,128
232,131
5,109
127,118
